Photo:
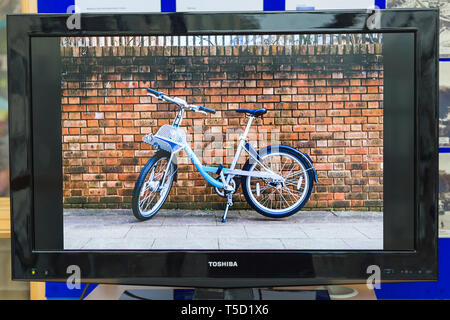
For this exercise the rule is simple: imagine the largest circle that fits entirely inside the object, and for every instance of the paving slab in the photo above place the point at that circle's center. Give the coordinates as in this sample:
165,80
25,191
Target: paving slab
332,231
221,231
251,244
203,230
280,232
187,244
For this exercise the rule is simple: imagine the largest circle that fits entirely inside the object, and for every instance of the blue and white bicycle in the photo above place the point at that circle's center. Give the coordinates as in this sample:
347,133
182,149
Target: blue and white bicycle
277,181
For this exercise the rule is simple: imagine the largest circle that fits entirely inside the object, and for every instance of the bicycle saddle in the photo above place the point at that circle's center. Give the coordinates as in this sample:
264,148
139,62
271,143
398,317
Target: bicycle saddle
253,112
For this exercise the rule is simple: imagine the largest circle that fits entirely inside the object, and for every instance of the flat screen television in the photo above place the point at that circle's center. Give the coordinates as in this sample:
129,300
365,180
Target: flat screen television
131,135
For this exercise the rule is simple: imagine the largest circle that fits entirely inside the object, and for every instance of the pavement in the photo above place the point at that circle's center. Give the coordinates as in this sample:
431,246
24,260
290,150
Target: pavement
202,229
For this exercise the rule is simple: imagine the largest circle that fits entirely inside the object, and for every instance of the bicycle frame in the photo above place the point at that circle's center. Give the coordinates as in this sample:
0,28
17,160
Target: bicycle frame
172,139
228,172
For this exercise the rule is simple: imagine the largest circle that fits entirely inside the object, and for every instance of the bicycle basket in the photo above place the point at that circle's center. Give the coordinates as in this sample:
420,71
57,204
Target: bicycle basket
168,138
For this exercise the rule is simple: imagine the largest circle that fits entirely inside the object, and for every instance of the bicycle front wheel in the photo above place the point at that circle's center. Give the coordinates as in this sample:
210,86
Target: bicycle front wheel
150,191
278,199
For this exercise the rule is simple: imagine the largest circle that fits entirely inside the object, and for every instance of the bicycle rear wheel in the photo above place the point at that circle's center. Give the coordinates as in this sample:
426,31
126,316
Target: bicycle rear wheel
278,200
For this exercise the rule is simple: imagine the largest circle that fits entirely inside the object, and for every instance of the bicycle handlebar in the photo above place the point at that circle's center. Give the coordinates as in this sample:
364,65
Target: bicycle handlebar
201,108
162,96
157,93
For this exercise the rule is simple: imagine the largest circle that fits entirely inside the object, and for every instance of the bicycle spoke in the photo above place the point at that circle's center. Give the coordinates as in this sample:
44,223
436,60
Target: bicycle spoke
292,184
296,173
292,194
269,198
150,201
283,166
144,204
264,189
146,197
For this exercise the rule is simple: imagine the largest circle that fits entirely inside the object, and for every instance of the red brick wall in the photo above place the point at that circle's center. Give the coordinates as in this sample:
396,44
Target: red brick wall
326,100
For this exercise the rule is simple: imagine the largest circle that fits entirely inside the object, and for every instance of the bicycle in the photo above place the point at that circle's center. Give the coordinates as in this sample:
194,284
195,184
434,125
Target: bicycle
277,181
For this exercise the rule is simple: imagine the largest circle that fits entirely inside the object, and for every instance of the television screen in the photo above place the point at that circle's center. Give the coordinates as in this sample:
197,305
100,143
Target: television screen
320,100
230,142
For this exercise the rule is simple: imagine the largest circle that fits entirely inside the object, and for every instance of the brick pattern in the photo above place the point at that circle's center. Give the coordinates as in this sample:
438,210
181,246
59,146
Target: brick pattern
326,100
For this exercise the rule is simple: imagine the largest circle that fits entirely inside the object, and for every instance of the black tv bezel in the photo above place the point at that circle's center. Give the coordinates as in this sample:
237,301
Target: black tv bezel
255,268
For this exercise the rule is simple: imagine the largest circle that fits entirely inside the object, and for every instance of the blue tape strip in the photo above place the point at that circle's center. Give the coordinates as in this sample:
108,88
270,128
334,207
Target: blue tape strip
54,6
60,6
274,5
380,4
168,5
59,290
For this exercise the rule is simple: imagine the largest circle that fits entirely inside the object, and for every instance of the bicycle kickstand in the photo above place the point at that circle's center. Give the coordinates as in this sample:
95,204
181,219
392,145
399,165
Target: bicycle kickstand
229,204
